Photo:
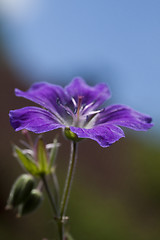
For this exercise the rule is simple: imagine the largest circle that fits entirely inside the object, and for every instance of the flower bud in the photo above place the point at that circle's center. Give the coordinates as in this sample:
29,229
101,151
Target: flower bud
20,190
32,203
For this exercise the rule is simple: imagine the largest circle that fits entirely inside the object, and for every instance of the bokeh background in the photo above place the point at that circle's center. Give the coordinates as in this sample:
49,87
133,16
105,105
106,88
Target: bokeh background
116,191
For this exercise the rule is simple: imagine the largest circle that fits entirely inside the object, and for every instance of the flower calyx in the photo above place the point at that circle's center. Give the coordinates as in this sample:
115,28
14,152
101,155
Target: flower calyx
33,201
71,135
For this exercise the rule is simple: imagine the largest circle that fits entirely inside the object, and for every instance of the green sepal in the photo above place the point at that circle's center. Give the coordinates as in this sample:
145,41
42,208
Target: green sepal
20,190
42,157
71,135
26,162
31,204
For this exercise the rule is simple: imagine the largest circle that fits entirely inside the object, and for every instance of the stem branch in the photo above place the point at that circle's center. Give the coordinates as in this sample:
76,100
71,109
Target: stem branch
51,199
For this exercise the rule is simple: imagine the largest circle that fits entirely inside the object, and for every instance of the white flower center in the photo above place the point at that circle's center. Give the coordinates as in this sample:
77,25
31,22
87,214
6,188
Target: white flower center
82,116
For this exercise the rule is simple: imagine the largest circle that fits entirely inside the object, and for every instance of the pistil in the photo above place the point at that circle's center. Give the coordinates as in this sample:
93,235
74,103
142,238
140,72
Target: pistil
79,106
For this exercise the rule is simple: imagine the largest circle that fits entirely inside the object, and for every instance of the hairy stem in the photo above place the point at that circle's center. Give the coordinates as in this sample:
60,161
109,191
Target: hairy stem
67,188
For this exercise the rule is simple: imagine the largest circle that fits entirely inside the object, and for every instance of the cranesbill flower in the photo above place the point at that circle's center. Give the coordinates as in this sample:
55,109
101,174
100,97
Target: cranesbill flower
77,107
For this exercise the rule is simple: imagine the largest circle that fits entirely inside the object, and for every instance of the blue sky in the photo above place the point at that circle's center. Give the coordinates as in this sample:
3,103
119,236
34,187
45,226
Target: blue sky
117,42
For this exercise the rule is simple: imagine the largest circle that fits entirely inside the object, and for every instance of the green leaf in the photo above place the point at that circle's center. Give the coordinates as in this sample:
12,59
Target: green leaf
42,156
26,162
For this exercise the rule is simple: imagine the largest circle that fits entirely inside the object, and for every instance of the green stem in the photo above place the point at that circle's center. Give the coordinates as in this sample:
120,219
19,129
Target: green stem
51,199
56,186
67,188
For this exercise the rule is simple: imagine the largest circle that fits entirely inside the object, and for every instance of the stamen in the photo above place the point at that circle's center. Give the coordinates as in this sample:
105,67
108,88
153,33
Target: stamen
74,102
75,110
85,107
95,112
75,105
91,117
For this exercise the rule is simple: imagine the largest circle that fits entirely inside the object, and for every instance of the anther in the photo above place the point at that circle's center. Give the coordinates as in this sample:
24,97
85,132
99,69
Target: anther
66,108
58,101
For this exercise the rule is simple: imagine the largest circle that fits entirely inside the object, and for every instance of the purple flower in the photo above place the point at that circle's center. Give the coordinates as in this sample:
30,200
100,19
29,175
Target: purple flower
76,107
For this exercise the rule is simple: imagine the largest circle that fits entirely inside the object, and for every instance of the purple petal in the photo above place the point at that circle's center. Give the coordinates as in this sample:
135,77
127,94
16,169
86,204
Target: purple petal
105,134
46,95
34,119
99,93
126,117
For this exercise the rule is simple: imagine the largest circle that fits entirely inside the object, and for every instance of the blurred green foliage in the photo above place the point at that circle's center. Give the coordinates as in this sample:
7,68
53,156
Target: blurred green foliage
127,209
